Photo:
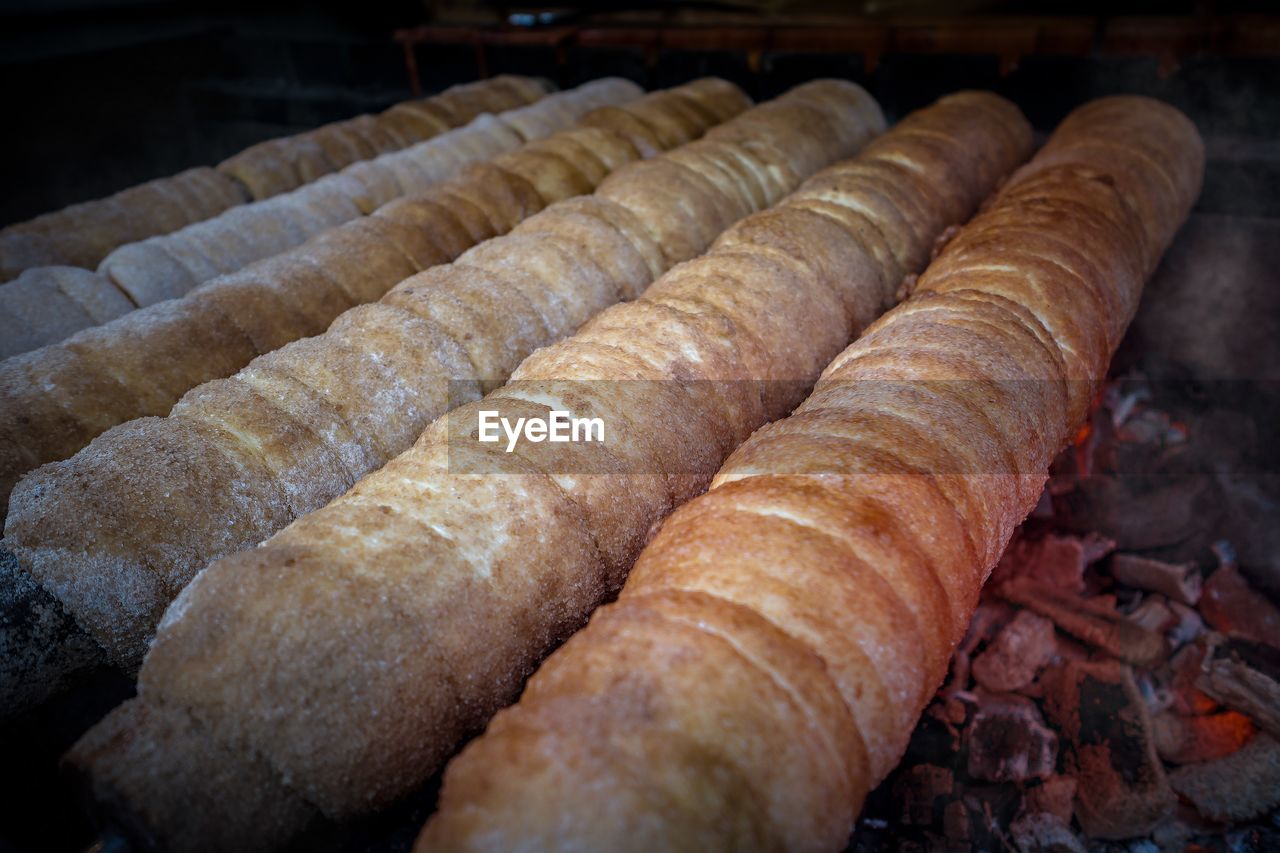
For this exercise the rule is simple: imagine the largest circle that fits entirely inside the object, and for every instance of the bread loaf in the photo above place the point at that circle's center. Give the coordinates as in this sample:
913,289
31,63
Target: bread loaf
81,235
279,165
55,400
117,530
45,304
776,642
439,581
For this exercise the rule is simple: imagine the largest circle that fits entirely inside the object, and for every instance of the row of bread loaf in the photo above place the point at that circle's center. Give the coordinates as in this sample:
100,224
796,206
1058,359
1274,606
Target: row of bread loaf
334,668
117,530
41,307
776,643
56,399
155,500
81,235
273,303
37,309
285,163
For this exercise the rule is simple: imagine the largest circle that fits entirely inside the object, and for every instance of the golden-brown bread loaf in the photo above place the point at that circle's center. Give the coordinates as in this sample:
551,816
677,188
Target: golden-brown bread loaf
555,261
56,399
774,645
279,165
438,582
81,235
156,499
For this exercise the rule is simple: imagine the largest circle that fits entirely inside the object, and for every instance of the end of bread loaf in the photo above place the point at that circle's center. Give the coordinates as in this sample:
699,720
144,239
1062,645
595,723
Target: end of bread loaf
90,530
253,808
42,650
46,304
1154,154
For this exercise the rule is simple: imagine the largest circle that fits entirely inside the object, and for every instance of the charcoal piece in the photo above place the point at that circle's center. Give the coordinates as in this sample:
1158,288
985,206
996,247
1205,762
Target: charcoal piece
1122,790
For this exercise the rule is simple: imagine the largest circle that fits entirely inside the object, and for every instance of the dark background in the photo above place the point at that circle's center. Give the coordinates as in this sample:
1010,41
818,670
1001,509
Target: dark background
99,95
103,94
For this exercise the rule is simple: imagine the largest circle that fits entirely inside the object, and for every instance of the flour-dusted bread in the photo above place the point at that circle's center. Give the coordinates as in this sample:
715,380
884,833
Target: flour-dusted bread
541,118
776,642
48,304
